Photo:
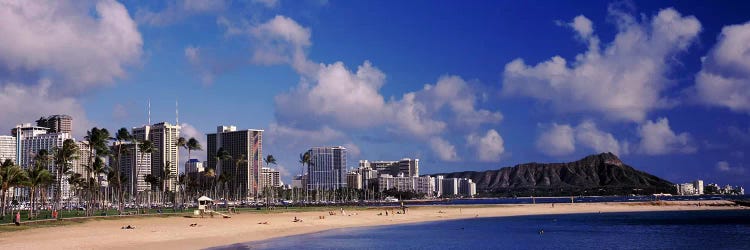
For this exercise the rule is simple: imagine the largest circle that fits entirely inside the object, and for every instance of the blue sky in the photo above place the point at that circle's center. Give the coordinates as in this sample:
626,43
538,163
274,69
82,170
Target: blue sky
664,84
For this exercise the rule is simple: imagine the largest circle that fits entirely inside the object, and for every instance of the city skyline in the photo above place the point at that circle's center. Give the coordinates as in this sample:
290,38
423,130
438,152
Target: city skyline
664,85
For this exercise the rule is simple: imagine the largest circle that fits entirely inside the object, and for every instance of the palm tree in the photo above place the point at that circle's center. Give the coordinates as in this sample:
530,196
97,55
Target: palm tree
121,136
97,139
209,173
62,157
76,182
166,176
221,155
181,143
305,160
269,160
11,175
153,180
97,168
193,145
237,162
39,177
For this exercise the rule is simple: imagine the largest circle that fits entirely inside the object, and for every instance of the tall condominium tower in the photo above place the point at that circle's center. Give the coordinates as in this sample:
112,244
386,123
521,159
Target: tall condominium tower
327,170
134,166
31,145
56,123
164,137
7,148
246,150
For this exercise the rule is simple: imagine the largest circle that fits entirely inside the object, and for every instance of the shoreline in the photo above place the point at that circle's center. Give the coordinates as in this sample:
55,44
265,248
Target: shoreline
176,232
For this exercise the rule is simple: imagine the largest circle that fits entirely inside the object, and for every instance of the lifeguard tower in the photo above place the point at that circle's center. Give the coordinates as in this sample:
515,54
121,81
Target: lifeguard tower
204,206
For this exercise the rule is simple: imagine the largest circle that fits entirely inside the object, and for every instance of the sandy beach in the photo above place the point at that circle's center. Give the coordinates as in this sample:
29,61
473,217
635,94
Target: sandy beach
176,232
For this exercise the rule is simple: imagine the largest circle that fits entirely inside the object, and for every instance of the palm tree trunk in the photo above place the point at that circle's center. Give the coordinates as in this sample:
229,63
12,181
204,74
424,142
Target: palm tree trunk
31,197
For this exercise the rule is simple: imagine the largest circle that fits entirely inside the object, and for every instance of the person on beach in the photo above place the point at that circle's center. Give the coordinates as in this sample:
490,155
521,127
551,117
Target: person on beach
18,218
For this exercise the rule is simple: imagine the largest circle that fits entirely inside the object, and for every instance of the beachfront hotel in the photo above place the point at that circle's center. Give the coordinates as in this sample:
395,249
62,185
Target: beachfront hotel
327,170
164,137
246,150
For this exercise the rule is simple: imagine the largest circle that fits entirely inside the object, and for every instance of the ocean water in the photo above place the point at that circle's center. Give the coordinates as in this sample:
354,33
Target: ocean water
638,230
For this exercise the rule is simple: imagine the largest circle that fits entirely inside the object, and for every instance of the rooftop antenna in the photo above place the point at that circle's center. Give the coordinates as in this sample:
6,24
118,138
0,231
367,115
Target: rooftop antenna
149,112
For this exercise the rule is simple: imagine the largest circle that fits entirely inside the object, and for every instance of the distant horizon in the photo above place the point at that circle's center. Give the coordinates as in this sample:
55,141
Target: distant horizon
664,85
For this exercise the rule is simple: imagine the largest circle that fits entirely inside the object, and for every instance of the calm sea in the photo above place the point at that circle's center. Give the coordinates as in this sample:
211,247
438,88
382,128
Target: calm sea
640,230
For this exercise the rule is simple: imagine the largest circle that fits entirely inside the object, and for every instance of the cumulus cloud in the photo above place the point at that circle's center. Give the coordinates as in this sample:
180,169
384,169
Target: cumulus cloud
657,138
724,80
349,99
443,149
589,135
557,140
561,139
65,42
723,166
624,80
489,147
189,131
26,103
178,10
352,150
296,137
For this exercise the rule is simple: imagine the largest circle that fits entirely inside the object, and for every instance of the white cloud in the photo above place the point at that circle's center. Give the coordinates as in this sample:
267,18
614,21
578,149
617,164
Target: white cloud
583,26
558,140
352,150
489,147
187,132
68,43
657,138
193,55
350,100
294,137
443,149
723,166
724,80
623,82
590,136
26,103
177,10
561,139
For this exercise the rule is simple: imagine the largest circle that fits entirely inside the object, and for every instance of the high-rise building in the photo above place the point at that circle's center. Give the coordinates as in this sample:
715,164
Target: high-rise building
450,187
246,150
134,165
193,166
419,184
7,148
31,145
698,185
82,159
271,177
164,137
354,180
56,123
327,170
467,187
405,166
